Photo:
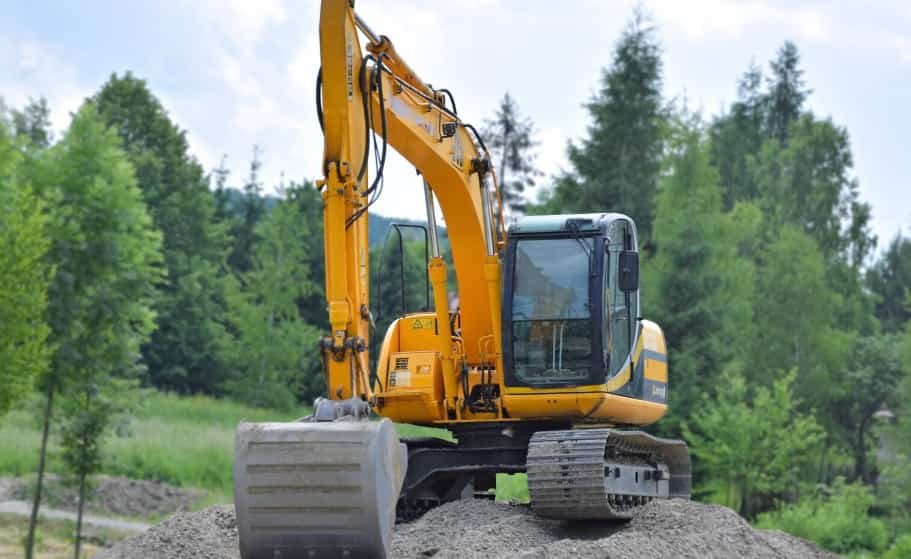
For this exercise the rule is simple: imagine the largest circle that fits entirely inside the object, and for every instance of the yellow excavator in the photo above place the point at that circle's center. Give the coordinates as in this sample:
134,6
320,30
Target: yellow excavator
545,367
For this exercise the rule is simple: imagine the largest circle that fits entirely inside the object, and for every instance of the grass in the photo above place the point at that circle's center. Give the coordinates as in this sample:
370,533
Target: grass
512,488
53,539
184,441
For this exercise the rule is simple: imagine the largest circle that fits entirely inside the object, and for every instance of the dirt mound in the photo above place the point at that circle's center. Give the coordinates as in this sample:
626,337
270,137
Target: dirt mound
664,529
111,495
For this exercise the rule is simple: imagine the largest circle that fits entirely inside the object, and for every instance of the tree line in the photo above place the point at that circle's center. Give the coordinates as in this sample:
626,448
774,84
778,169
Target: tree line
789,339
125,263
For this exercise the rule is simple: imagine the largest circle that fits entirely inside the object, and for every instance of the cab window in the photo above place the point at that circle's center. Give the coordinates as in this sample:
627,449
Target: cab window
621,309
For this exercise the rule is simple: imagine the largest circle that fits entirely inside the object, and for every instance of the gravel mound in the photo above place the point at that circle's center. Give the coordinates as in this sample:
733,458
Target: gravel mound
207,534
111,495
664,529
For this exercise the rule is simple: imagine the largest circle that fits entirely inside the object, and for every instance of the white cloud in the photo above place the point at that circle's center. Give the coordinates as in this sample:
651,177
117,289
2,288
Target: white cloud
242,24
304,63
731,18
903,46
810,23
34,69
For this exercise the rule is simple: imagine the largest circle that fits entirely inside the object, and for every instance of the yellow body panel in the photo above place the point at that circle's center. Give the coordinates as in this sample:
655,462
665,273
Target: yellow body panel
419,400
585,407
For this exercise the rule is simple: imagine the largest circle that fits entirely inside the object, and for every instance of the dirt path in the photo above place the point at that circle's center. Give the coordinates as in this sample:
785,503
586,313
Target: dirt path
22,508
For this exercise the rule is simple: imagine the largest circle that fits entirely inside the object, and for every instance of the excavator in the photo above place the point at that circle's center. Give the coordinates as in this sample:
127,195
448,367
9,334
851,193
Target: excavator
545,367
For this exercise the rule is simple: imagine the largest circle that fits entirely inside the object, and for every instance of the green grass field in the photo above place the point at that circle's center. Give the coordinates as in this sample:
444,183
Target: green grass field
185,441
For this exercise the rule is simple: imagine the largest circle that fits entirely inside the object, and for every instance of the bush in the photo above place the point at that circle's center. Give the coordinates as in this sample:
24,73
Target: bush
901,549
753,446
839,521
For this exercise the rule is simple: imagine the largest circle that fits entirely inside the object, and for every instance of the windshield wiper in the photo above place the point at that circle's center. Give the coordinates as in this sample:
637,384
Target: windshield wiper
577,235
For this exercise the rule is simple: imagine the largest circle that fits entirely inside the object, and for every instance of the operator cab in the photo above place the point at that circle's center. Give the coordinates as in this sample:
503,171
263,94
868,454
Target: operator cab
570,299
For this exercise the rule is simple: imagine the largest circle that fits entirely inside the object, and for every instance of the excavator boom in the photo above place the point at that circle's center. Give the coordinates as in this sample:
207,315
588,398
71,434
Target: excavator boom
329,484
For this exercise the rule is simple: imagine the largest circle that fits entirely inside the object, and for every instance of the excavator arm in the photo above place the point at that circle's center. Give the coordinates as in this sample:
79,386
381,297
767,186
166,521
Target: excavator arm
377,95
328,485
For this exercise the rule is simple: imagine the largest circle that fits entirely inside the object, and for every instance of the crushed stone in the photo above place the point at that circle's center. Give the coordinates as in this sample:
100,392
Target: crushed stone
207,534
480,528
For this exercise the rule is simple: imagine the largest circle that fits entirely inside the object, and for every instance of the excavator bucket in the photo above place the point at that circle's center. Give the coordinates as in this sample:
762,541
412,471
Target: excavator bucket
317,489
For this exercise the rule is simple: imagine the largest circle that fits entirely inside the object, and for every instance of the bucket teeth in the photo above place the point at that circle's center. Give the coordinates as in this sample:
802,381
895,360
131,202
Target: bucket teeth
317,489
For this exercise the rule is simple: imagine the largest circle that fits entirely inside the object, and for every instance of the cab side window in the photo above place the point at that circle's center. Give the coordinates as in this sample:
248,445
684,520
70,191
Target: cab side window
620,312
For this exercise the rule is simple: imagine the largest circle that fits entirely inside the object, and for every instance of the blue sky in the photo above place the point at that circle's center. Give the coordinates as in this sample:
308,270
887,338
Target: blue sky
234,73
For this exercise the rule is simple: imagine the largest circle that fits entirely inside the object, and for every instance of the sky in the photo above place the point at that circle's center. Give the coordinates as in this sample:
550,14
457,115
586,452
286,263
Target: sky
235,73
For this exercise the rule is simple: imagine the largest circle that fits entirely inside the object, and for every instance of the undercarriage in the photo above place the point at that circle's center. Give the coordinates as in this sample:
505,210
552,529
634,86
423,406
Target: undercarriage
572,473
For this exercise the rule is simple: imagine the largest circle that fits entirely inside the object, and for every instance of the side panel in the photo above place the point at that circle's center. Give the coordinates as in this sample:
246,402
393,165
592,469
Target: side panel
636,395
410,372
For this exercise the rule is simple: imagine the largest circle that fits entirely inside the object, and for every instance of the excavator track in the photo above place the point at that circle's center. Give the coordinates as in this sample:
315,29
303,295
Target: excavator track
603,473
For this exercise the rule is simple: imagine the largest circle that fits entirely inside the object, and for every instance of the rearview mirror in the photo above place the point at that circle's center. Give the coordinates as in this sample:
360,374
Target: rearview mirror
629,271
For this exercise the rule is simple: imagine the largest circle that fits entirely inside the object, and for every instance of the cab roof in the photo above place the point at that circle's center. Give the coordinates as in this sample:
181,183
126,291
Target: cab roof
538,224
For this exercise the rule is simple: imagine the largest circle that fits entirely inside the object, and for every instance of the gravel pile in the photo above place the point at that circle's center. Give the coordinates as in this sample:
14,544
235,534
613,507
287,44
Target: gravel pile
664,529
210,533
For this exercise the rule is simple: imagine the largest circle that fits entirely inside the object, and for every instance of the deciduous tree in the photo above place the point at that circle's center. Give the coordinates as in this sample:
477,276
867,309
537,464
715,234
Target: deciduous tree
107,256
272,350
24,277
871,382
701,287
755,445
182,353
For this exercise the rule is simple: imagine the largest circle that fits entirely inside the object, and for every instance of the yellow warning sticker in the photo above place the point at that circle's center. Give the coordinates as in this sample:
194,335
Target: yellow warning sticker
422,324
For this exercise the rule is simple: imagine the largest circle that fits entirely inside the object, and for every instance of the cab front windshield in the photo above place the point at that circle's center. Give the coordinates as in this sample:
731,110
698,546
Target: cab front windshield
551,314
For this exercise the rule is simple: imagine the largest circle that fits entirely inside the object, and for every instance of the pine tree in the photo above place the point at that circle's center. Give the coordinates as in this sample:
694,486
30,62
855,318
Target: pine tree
890,279
34,123
182,354
510,136
787,92
737,136
219,183
249,215
616,167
